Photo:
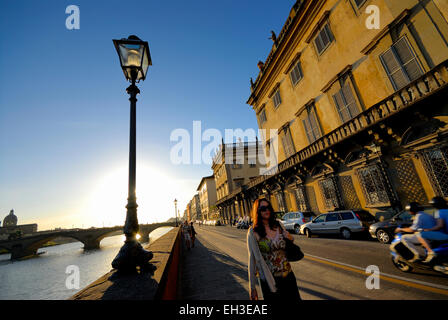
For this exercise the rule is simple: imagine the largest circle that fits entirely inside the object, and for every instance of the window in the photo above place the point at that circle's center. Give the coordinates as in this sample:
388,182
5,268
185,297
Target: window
346,103
252,165
296,74
320,218
346,215
281,203
262,117
332,217
271,145
401,64
373,185
323,39
436,164
311,125
276,98
301,199
359,3
329,193
288,145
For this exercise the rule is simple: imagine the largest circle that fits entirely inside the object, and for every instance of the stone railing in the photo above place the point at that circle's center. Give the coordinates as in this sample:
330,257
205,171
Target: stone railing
162,285
428,84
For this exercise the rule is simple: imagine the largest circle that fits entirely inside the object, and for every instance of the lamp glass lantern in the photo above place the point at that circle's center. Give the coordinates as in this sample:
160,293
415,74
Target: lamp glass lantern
135,58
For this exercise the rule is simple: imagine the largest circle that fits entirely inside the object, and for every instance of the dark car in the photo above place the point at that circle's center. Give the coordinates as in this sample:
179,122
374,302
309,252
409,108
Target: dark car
384,230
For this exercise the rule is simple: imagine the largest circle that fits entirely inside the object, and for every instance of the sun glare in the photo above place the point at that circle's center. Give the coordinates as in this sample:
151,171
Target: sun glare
155,191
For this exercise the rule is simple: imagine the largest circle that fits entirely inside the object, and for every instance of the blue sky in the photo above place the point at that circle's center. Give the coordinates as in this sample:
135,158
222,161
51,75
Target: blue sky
64,111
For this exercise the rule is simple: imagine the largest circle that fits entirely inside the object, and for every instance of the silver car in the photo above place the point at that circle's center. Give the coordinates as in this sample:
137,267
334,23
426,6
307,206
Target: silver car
341,222
294,220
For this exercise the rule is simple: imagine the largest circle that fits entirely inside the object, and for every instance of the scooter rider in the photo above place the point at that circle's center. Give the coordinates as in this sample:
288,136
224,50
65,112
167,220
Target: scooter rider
437,233
422,220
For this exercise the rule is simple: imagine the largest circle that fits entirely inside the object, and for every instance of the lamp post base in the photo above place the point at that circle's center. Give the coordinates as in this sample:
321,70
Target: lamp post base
132,255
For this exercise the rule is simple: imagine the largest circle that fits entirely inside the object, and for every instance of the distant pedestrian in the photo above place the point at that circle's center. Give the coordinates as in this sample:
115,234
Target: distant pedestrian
186,234
267,255
193,234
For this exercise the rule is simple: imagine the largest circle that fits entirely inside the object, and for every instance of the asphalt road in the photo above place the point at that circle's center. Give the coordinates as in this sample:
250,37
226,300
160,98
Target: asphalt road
334,269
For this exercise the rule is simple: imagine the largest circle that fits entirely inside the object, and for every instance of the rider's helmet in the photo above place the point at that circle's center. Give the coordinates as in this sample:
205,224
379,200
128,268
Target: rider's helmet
438,203
414,207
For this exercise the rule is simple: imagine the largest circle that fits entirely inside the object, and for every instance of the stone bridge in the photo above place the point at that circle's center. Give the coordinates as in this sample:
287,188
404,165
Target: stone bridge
91,238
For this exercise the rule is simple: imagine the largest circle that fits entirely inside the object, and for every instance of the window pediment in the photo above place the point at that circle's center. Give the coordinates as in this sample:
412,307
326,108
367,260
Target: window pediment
318,25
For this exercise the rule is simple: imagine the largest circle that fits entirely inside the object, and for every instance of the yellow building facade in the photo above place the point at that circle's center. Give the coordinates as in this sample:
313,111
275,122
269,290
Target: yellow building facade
357,91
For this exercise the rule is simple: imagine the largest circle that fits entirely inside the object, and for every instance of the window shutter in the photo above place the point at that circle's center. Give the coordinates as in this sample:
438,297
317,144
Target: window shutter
350,100
277,98
314,124
285,146
340,105
319,44
408,59
394,70
288,146
296,74
308,130
262,117
328,33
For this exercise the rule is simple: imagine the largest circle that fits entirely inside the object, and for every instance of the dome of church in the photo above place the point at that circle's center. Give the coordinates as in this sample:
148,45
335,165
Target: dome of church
10,220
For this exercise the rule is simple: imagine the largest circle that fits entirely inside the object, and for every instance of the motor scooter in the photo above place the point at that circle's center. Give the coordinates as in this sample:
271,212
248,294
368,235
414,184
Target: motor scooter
401,255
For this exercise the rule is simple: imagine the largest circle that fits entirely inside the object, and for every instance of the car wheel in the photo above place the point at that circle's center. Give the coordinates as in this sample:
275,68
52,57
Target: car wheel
383,236
297,229
401,265
346,233
308,233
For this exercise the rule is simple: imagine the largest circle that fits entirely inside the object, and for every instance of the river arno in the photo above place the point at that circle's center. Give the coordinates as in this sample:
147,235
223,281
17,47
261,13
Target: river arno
44,277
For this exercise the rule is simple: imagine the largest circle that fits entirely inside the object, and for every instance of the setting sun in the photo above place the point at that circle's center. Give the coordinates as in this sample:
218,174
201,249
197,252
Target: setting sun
155,191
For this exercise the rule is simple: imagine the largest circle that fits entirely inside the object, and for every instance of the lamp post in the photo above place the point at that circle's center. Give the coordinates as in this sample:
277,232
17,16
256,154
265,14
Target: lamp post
175,209
134,60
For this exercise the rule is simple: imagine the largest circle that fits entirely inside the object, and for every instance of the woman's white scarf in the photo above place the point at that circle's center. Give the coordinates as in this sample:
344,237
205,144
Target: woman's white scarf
256,262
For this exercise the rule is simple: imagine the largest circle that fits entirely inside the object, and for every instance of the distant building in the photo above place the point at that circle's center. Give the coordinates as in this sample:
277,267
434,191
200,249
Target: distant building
10,220
195,208
10,227
207,196
234,165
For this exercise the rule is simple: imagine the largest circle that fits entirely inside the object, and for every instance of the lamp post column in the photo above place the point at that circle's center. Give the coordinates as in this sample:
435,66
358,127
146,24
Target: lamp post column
131,224
132,253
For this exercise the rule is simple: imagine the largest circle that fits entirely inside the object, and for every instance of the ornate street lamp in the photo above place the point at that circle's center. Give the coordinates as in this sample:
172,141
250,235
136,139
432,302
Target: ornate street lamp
175,209
134,60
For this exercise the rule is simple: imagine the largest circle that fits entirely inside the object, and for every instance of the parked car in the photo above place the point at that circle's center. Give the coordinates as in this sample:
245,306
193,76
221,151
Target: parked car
344,222
294,220
384,230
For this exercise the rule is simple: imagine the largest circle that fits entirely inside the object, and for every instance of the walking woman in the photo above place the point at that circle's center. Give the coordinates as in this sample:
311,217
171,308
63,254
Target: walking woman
267,255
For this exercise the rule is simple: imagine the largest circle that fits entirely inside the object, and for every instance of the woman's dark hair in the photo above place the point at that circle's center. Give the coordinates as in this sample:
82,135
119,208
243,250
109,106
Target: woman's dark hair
256,218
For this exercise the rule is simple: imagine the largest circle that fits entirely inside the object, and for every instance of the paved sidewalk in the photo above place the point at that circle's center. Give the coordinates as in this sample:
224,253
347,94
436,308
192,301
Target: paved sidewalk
208,274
